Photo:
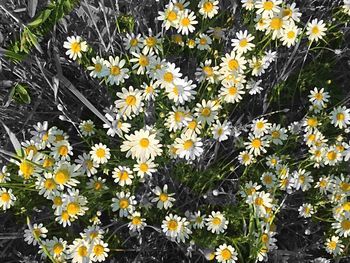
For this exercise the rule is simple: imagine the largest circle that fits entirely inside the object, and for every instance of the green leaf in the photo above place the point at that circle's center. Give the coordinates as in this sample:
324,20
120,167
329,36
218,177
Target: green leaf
44,15
21,94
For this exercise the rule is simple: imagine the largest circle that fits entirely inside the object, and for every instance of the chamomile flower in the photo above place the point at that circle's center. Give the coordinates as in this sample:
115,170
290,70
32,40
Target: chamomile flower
203,42
216,222
64,175
87,128
189,147
256,145
142,145
302,180
342,226
129,103
79,251
332,156
191,126
277,134
198,220
181,91
217,32
97,184
88,166
145,168
206,72
171,225
136,223
100,153
254,87
7,199
276,24
46,184
151,43
207,111
57,248
63,218
142,62
186,23
74,203
75,46
221,131
226,254
268,179
340,117
42,135
124,202
163,198
243,42
176,117
231,92
334,245
248,4
4,175
62,150
117,72
99,68
319,97
28,166
37,231
93,233
261,201
267,8
167,75
99,251
324,184
289,35
306,210
122,175
245,158
208,8
316,30
232,63
170,16
133,43
291,12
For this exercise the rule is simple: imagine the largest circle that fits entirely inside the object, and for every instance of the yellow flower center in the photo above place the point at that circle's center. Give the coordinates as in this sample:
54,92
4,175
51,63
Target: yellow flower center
31,148
332,155
100,152
232,90
45,137
276,23
275,134
340,116
203,41
130,100
259,201
144,167
73,208
265,238
36,232
57,249
208,71
268,179
136,220
49,184
344,186
243,42
123,175
256,143
172,16
188,144
233,64
61,176
144,142
151,41
268,5
176,91
185,22
5,197
172,225
97,186
260,125
63,150
206,112
291,34
143,61
226,254
98,250
123,203
208,7
287,12
59,137
134,42
332,245
163,197
57,201
345,224
149,89
98,67
75,47
315,30
216,221
115,70
192,125
82,251
65,216
178,116
323,184
26,168
346,206
312,122
168,77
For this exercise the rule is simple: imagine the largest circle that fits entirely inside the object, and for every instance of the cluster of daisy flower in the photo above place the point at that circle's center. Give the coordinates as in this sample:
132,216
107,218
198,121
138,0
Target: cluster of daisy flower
159,116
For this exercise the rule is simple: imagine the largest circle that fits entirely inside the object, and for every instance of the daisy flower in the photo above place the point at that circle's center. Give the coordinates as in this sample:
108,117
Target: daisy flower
340,117
37,231
245,158
57,248
189,147
334,245
291,12
248,4
242,43
306,210
31,146
151,43
163,198
99,251
79,251
256,145
207,72
332,156
316,30
231,92
142,62
198,220
46,184
203,42
141,145
226,254
267,8
132,42
217,32
254,87
167,75
62,150
28,166
116,126
181,91
261,201
7,199
145,168
319,97
289,35
100,153
221,131
207,111
268,179
97,184
276,24
117,74
130,102
124,202
150,90
74,204
208,8
216,222
4,175
87,128
65,173
186,22
137,223
99,68
87,165
75,46
122,175
277,134
232,63
176,117
302,180
342,226
170,16
171,225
